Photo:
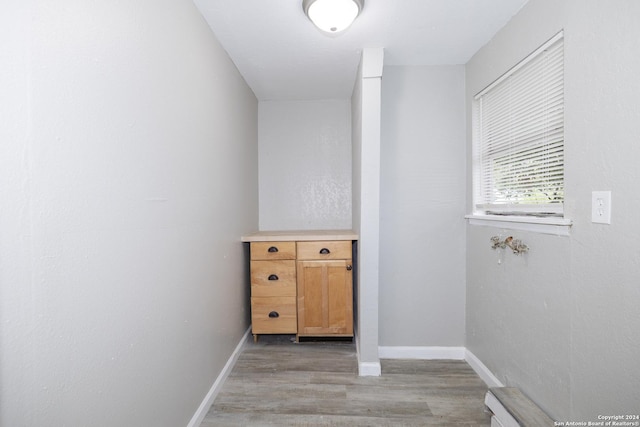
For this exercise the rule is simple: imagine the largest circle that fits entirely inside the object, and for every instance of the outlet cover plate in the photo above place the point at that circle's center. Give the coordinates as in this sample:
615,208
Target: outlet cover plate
601,207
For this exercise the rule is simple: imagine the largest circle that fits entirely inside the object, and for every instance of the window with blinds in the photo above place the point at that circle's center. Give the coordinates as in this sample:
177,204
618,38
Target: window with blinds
518,140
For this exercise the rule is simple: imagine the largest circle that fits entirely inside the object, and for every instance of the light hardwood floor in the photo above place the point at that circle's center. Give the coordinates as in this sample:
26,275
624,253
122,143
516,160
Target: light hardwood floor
276,382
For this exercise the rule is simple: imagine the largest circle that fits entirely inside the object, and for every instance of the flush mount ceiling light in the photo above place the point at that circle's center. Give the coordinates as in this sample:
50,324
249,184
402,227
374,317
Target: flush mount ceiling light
332,16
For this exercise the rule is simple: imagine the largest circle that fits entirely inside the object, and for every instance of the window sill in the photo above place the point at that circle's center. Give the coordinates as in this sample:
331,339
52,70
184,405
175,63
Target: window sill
556,226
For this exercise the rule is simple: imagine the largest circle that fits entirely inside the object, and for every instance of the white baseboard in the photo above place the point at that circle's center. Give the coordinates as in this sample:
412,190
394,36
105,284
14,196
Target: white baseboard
366,369
452,353
197,418
369,369
483,372
422,353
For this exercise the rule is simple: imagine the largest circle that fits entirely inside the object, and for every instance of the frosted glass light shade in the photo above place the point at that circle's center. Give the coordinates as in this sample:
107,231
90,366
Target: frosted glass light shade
332,16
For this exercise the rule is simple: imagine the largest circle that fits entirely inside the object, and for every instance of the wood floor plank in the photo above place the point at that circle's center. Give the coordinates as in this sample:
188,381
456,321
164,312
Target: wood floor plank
312,420
278,382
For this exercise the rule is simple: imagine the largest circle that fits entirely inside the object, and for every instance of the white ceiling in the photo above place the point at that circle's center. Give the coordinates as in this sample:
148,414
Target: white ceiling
282,56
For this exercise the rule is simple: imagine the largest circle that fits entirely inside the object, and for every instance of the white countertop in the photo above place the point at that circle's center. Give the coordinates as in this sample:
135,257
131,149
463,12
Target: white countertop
299,235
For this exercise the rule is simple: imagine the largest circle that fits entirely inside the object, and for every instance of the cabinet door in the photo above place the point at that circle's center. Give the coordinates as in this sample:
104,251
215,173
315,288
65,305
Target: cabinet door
325,298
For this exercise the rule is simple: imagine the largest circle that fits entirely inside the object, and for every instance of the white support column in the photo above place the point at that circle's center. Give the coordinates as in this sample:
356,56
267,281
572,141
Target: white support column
366,141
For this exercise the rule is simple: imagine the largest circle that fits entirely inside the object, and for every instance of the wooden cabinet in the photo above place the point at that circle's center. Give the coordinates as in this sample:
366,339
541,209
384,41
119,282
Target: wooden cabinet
302,286
325,289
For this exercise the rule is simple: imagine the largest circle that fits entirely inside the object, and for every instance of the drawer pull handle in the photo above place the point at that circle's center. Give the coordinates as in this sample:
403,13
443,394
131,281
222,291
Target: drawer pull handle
325,251
274,314
272,249
349,267
273,277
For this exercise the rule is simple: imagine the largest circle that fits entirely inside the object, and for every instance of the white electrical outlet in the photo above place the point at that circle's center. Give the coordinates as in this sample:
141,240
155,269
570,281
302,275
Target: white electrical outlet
601,207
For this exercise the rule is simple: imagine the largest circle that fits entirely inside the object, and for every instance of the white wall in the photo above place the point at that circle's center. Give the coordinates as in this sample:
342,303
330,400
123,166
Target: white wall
128,163
562,322
305,164
422,207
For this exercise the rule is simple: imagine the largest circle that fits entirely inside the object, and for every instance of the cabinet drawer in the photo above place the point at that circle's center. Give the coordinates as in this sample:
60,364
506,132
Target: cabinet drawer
336,249
273,250
274,315
273,278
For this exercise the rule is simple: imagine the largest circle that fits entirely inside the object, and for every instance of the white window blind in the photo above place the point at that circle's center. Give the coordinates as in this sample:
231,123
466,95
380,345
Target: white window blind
519,137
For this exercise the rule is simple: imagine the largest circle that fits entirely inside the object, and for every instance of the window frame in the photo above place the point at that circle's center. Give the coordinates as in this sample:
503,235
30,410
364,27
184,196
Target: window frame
540,215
